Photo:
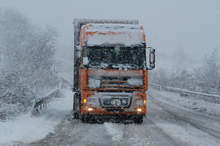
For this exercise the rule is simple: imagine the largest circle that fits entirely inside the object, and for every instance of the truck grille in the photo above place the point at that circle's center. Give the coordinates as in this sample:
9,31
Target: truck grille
115,102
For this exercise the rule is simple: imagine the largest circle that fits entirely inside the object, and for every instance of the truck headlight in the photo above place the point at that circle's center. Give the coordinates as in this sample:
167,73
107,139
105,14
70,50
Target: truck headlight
90,109
92,101
135,81
93,83
124,101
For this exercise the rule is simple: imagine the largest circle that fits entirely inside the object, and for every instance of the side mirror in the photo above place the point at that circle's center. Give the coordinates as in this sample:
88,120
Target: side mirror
85,61
151,58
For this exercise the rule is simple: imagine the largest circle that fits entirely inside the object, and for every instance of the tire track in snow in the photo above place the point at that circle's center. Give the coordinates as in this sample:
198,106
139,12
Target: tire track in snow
183,124
114,130
188,117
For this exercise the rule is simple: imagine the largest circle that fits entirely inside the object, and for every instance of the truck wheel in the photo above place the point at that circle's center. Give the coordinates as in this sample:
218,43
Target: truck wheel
138,120
76,115
76,105
99,121
84,119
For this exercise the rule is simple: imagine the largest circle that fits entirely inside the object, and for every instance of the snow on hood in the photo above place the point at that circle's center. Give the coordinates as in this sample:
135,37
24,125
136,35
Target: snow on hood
107,34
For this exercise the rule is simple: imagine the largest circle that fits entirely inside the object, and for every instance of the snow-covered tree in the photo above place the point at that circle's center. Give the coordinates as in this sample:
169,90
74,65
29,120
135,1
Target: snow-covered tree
26,59
209,73
204,79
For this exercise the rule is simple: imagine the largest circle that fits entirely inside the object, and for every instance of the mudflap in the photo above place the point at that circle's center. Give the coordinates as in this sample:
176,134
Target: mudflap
76,106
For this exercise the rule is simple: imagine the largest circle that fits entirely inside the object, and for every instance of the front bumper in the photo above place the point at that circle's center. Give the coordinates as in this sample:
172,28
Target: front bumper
112,117
89,110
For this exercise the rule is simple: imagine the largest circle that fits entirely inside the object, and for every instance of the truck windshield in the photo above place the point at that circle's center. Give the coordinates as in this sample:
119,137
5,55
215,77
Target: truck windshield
116,57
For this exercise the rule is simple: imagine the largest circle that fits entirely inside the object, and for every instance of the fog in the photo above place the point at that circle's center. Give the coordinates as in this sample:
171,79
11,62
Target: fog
36,75
183,32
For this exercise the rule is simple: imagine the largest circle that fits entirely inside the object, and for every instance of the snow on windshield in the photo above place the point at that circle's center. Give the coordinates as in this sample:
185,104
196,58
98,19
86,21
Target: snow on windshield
116,57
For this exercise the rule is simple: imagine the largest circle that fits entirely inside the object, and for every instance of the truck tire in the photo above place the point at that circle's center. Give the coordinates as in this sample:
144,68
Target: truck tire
138,120
85,119
76,115
76,106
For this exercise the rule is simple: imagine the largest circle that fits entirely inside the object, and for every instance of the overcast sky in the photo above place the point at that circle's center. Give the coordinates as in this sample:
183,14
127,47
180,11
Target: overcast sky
179,29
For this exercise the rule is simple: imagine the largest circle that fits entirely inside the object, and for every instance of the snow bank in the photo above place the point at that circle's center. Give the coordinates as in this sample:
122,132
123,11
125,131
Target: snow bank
193,118
27,128
187,135
188,102
213,98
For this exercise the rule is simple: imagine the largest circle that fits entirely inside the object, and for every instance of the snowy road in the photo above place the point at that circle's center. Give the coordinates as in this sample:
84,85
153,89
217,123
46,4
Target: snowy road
168,124
76,133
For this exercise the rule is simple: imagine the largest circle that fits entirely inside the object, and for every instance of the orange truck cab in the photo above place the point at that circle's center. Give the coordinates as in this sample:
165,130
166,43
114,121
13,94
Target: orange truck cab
111,63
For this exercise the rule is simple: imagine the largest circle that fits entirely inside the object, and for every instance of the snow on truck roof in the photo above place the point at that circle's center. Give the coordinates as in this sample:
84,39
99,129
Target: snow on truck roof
112,27
108,34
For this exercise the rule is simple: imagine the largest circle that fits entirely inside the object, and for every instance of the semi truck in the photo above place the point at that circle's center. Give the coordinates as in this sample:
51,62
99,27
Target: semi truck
111,63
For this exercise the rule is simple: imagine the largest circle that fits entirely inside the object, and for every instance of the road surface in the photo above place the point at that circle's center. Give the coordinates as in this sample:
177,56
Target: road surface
167,124
172,120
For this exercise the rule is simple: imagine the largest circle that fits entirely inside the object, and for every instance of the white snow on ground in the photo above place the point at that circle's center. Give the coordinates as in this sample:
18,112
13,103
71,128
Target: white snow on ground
117,132
114,130
28,128
189,102
187,134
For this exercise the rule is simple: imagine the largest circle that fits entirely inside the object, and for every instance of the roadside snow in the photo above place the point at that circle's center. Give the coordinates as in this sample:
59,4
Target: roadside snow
27,128
187,134
194,111
189,102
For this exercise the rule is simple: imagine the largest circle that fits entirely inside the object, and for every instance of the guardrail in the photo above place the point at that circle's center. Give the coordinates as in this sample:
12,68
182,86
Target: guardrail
41,104
183,92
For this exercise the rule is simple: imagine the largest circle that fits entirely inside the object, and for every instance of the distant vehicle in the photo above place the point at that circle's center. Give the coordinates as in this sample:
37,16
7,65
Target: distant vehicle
111,63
